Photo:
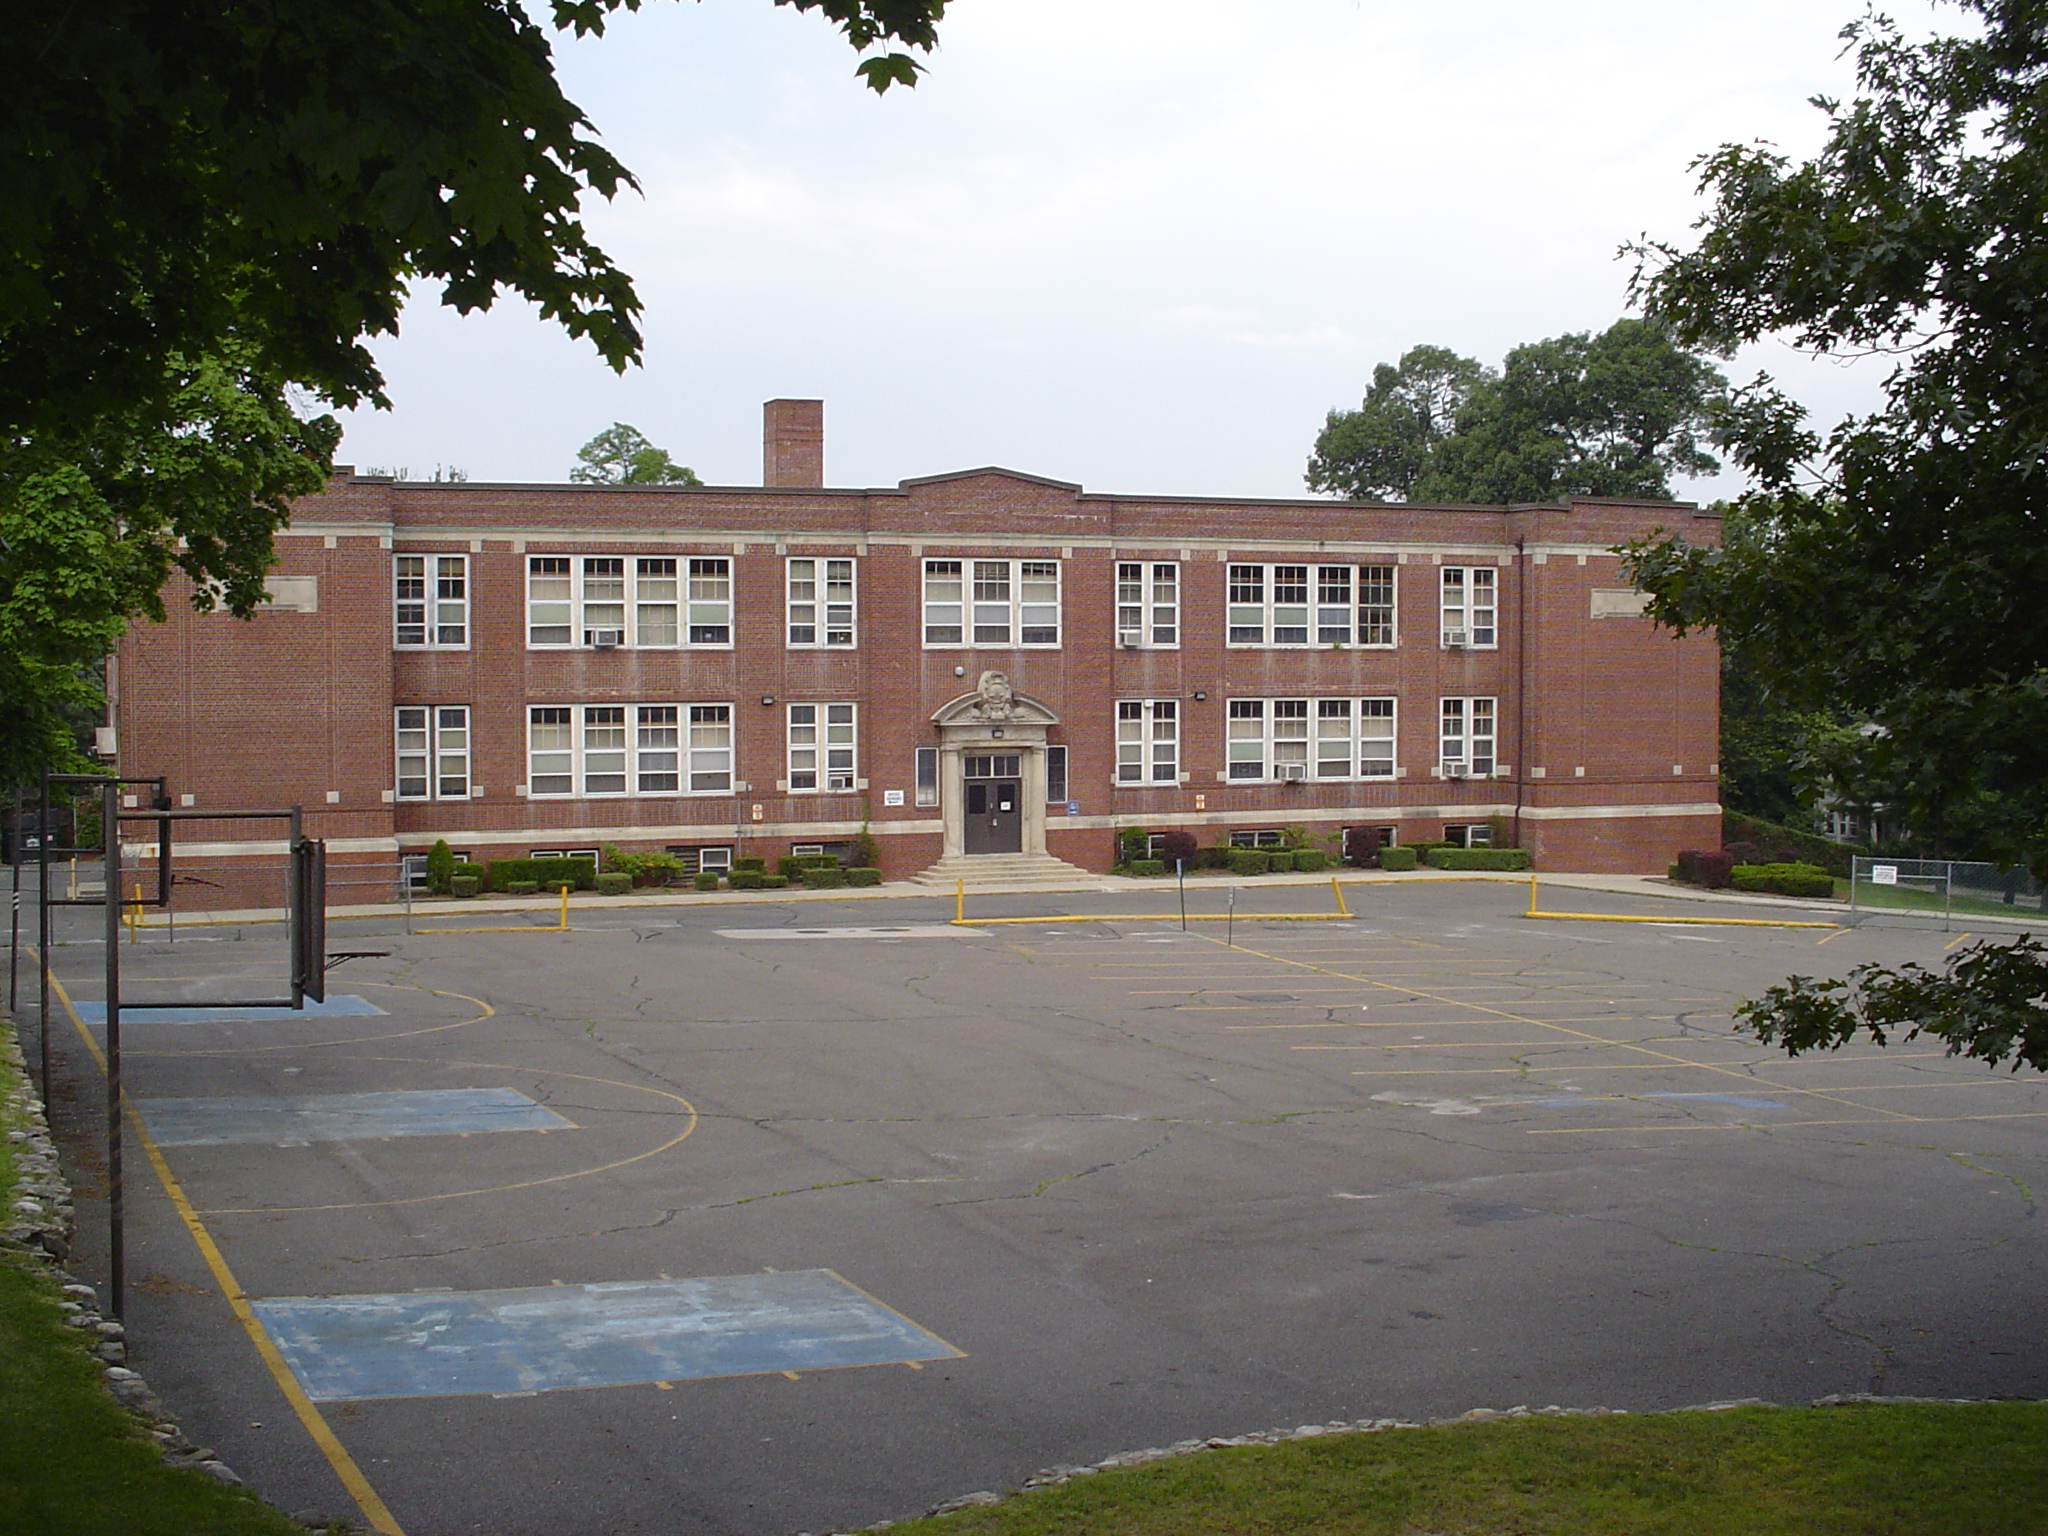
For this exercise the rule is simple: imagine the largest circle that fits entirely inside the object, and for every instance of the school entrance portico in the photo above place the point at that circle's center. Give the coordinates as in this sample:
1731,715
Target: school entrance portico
992,771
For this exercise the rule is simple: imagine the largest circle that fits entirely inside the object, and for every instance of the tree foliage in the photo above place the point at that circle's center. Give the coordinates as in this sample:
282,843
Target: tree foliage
1617,414
1902,555
622,455
1991,1004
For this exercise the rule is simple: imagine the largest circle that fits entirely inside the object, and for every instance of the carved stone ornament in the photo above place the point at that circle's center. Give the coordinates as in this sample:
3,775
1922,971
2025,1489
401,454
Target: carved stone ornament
995,699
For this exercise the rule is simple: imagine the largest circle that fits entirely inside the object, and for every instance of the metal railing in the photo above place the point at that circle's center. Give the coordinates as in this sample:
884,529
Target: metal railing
1949,887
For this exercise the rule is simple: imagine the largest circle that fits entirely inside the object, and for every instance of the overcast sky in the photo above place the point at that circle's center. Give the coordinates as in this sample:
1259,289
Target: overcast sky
1140,244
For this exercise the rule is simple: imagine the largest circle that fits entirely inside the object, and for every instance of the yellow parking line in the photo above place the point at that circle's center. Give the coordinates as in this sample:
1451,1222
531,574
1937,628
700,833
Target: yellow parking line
1952,943
1782,1125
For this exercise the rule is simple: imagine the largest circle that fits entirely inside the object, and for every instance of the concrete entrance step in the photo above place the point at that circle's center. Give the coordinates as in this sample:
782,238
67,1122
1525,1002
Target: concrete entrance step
1005,871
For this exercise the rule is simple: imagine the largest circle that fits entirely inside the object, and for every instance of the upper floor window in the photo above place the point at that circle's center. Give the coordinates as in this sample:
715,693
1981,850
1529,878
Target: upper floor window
430,601
433,751
992,602
821,748
628,600
1466,738
1291,739
820,602
1147,741
1147,603
1469,606
624,749
1275,605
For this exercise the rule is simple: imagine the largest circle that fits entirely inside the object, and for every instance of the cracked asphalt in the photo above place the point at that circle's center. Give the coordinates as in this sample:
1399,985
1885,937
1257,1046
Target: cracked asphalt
1152,1184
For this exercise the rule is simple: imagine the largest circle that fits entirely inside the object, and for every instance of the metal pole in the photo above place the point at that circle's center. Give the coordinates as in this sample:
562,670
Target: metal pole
110,850
1230,922
43,941
1948,883
14,937
1180,873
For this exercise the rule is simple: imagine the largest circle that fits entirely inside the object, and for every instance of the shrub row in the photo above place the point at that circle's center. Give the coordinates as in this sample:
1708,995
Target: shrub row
1784,879
1239,861
1472,858
1755,841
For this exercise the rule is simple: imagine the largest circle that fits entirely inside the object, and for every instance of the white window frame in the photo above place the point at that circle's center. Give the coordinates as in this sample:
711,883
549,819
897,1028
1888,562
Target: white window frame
823,748
1366,729
1468,606
817,619
429,602
629,750
1147,742
433,740
1468,736
1307,605
1057,788
1379,624
978,604
652,605
1264,736
926,777
1148,604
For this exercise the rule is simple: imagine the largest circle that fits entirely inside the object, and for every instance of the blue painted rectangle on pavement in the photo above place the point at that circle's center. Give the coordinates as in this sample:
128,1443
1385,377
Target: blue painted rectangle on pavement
341,1005
552,1338
294,1121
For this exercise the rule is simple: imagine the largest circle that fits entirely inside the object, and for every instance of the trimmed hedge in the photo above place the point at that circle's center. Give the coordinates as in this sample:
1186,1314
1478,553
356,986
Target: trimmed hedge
1756,841
750,865
522,887
1784,879
1310,860
747,879
1249,861
707,880
864,875
464,885
1397,858
774,882
546,874
1147,869
614,884
1475,858
824,877
1713,870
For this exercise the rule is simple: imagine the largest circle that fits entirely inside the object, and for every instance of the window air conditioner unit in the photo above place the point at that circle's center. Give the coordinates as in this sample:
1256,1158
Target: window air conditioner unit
604,639
1454,637
1292,773
1455,770
839,781
1130,639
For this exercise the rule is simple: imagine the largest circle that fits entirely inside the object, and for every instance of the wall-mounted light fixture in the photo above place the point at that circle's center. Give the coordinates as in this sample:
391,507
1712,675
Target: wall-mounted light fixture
959,671
996,732
767,698
1200,696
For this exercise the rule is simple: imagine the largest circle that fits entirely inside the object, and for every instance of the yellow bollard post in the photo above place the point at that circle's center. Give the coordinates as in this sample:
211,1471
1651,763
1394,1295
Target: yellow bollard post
135,916
563,922
959,901
1337,891
1532,893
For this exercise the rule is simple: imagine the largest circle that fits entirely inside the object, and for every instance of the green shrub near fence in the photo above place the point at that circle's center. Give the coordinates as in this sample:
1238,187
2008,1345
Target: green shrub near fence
1474,858
1249,861
1401,858
614,884
864,875
1147,869
706,880
747,879
1784,879
546,874
1776,844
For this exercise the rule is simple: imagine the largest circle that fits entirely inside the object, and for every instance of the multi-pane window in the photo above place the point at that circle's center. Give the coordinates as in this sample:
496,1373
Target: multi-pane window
992,602
1147,603
1148,741
619,749
433,751
1055,775
820,602
1354,738
625,600
1310,605
821,747
1310,738
430,600
1469,606
1467,738
927,776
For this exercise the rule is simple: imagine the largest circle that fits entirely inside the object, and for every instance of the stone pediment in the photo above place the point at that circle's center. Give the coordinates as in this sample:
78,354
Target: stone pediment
994,702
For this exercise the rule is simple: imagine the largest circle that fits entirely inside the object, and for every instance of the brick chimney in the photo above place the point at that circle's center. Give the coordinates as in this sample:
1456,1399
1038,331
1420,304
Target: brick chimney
793,443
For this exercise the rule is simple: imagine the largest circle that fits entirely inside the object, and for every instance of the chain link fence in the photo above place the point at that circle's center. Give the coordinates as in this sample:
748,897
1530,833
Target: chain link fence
1952,889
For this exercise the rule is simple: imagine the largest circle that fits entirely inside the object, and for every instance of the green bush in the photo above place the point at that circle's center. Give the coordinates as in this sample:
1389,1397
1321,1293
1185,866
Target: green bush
440,865
464,885
864,875
521,887
612,883
1397,858
655,867
546,874
1133,844
706,880
1311,859
867,853
1249,861
774,882
1473,858
750,865
1783,845
1784,879
747,879
1148,869
824,877
1217,857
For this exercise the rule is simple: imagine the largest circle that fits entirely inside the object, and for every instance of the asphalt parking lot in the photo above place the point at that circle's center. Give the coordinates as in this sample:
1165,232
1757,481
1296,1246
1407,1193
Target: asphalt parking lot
690,1220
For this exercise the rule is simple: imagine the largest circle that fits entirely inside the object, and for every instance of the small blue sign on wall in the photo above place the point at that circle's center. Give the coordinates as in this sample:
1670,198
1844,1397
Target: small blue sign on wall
1073,807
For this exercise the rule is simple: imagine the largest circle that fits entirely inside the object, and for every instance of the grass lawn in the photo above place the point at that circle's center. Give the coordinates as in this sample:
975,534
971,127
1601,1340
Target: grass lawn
1865,1470
72,1462
1919,899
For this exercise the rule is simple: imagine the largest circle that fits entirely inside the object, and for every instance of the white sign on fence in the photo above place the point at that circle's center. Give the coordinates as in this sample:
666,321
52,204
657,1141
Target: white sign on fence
1884,874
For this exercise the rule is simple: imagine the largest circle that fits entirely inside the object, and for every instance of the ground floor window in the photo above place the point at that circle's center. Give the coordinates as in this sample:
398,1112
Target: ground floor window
927,776
1263,839
1055,775
1475,834
695,857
